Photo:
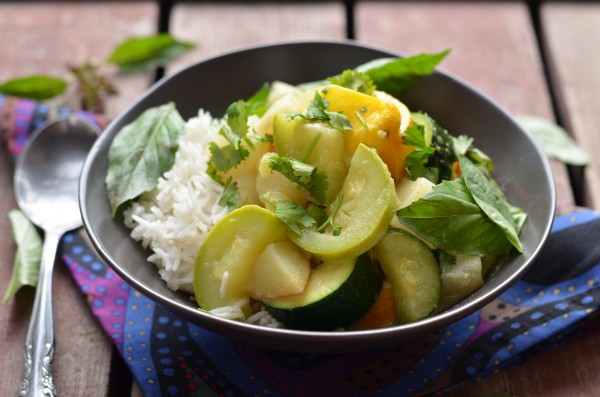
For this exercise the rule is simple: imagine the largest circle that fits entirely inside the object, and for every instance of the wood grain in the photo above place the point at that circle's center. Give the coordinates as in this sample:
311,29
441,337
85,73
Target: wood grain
571,32
493,48
223,27
45,38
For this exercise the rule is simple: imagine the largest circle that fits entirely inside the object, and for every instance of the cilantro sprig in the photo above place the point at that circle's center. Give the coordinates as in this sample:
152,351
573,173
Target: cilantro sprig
305,175
434,161
292,214
355,80
318,111
297,218
230,196
234,130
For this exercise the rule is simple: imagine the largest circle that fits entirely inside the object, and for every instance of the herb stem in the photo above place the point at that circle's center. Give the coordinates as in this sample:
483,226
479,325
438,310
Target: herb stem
311,147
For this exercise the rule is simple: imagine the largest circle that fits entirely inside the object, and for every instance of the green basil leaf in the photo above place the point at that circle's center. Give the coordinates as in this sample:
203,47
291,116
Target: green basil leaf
28,255
37,87
490,199
141,152
258,103
138,54
554,140
395,75
450,219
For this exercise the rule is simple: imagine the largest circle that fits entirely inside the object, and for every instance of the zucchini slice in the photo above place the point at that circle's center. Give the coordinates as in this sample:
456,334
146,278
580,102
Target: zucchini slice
229,252
368,200
414,273
337,294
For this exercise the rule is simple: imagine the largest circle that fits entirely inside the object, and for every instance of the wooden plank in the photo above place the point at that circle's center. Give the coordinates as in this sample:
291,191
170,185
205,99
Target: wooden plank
45,38
241,25
493,48
571,32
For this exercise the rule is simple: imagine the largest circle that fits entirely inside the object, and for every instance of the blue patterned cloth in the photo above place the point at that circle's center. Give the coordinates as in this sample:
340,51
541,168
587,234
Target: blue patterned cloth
170,357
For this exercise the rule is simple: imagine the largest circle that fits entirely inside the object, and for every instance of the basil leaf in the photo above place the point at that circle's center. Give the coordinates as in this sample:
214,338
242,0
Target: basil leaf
450,219
37,87
490,199
28,255
554,140
141,152
138,54
395,75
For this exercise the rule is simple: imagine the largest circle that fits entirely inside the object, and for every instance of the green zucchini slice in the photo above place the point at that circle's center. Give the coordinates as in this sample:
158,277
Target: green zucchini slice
337,294
414,273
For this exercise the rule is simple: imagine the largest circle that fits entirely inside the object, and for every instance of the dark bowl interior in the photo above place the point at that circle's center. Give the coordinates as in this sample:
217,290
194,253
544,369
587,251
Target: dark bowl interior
521,168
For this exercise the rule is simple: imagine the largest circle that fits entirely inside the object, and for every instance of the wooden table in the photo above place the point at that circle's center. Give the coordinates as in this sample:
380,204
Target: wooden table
533,58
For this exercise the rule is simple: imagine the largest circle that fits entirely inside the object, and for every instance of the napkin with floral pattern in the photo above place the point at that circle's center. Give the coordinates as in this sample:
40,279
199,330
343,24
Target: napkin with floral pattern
553,303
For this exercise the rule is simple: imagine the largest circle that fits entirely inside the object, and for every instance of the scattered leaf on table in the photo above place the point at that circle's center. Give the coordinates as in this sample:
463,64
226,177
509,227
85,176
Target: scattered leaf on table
554,140
28,255
141,152
38,87
138,54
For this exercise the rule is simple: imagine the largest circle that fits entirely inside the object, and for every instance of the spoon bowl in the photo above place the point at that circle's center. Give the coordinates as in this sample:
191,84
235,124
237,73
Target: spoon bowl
46,184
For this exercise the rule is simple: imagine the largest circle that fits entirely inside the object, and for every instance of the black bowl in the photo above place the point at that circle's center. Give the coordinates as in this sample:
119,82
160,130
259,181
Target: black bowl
521,168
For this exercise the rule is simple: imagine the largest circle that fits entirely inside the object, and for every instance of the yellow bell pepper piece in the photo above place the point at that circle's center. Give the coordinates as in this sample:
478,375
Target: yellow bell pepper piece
377,122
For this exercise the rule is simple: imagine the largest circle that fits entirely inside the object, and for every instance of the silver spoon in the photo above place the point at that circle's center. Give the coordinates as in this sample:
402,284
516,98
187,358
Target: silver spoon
46,184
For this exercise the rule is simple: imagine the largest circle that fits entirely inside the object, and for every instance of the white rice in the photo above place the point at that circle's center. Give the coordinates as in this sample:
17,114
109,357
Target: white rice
174,219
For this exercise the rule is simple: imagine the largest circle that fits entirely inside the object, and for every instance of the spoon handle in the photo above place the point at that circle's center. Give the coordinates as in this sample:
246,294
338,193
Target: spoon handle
37,378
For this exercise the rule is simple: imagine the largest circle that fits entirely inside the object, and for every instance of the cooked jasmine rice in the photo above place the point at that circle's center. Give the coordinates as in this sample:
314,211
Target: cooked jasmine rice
174,219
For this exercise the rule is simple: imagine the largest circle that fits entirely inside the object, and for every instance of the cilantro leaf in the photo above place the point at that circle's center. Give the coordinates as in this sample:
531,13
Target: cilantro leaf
304,175
234,130
354,80
230,196
317,111
293,215
237,119
433,162
415,162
